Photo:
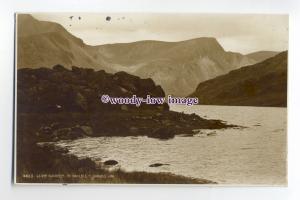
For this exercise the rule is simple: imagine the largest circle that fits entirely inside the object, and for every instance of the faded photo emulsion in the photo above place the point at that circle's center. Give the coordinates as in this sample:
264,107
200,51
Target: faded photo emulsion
151,98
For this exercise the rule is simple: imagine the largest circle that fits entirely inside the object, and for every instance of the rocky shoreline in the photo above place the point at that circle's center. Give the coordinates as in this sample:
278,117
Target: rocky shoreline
62,104
57,166
162,125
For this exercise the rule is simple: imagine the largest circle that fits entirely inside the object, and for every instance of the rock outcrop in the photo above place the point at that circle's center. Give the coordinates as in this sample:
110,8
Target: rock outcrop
57,104
79,89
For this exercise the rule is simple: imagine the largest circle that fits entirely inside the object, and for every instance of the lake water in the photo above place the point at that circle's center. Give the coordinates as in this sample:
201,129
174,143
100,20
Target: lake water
253,155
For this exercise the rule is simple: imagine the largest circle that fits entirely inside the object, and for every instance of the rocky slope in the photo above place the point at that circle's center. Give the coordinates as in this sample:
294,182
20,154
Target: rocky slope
262,84
177,66
79,89
44,44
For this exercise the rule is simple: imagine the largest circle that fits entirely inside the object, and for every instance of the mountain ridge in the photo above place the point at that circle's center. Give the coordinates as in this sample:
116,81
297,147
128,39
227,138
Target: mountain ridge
44,44
177,66
261,84
262,55
182,64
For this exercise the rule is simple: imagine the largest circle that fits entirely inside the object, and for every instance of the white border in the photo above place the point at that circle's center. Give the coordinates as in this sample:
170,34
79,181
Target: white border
15,142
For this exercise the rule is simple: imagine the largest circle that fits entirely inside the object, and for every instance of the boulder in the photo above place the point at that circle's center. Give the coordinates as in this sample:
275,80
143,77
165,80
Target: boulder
163,133
196,131
214,133
55,125
87,130
157,165
147,84
72,133
187,135
110,162
76,132
59,68
62,133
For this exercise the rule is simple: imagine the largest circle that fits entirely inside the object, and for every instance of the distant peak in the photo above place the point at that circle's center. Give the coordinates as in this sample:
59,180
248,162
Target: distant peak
212,39
205,42
25,17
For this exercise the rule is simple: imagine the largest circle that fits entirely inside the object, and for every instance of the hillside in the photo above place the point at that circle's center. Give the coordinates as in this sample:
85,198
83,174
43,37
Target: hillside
44,44
262,84
177,66
260,56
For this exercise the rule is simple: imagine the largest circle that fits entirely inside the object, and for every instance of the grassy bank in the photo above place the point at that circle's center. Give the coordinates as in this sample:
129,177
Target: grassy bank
50,165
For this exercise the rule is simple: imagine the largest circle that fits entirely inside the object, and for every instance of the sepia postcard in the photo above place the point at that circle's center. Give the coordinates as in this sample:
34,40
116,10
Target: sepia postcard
151,98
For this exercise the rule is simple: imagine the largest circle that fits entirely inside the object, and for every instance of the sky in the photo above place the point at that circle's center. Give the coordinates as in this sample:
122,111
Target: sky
244,33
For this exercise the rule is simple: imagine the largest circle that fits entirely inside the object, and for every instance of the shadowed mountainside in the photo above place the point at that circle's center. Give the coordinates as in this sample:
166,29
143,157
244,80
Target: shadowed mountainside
262,84
177,66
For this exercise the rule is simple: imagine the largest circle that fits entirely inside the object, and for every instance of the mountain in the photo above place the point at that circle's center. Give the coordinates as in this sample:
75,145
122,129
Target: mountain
177,66
260,56
44,44
261,84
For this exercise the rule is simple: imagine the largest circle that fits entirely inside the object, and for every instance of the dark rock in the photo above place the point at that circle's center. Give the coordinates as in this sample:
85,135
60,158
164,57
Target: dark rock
110,162
62,90
56,125
127,81
45,130
62,150
76,69
163,133
196,131
158,92
62,133
214,133
87,130
187,135
76,132
157,165
147,84
71,133
59,68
